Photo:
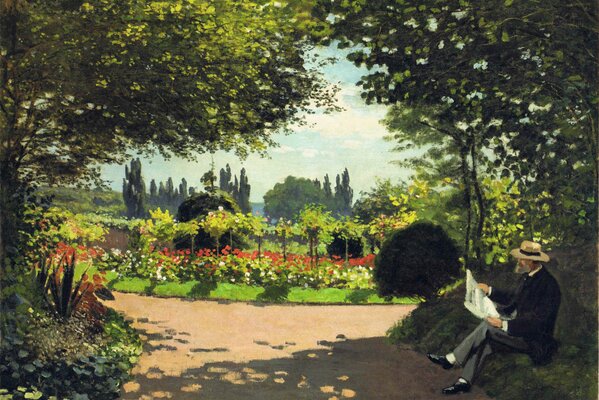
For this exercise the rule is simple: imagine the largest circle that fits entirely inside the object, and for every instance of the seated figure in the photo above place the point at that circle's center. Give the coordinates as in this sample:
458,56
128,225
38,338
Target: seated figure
534,302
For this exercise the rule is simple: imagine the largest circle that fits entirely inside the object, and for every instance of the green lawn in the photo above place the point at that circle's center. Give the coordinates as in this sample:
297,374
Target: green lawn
275,294
229,291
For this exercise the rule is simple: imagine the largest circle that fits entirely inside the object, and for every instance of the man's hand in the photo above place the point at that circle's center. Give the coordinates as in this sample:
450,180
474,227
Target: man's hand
484,287
496,322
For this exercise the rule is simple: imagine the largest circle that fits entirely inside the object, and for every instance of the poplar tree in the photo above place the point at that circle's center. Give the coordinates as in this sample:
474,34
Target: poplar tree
134,190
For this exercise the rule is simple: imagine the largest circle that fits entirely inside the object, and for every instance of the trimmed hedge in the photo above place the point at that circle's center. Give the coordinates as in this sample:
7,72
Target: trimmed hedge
416,261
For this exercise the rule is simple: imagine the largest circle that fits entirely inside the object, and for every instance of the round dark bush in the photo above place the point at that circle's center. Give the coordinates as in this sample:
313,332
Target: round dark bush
199,205
337,247
416,261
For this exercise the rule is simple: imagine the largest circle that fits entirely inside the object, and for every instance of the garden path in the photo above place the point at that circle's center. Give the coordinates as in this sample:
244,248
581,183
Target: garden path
221,351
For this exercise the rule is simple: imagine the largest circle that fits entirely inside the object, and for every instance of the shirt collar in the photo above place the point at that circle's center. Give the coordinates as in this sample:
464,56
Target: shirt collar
535,271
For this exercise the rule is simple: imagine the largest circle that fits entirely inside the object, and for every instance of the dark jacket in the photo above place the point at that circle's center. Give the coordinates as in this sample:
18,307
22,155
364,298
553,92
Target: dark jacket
536,301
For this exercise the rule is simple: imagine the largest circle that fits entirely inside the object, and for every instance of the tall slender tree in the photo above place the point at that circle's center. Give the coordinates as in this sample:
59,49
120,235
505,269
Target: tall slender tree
343,193
134,190
244,193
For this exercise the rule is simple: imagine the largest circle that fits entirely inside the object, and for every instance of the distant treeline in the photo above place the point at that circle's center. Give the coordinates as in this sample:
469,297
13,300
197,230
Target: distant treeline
168,197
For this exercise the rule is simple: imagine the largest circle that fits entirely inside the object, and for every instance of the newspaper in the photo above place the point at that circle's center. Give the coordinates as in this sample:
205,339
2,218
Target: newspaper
476,301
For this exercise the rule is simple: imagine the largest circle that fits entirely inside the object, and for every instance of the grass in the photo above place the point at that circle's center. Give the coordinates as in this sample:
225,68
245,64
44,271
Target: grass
236,292
274,294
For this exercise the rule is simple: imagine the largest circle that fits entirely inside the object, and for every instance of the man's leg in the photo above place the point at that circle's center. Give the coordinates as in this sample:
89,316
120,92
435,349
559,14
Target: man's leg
481,348
472,342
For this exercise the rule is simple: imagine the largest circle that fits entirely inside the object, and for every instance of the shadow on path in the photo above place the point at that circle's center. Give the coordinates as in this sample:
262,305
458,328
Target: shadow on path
361,369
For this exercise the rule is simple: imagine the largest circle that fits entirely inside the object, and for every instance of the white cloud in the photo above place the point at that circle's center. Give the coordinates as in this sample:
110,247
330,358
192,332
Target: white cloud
283,149
357,119
309,153
351,144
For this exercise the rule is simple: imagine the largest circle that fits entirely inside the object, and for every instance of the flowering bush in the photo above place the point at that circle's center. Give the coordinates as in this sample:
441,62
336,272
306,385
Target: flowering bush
235,266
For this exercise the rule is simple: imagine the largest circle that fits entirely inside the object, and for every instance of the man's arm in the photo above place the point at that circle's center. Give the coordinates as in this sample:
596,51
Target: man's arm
495,294
531,323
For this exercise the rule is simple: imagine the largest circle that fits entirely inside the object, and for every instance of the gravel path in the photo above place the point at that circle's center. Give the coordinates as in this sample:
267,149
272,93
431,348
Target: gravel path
221,351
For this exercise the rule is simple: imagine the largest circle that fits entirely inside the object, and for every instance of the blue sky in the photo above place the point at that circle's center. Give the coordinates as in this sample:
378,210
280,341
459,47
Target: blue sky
351,139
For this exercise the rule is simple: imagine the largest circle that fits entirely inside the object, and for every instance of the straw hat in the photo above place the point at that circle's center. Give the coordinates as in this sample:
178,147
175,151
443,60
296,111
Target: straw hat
530,251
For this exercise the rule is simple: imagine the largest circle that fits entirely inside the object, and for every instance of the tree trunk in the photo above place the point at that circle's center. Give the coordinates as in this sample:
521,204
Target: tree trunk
316,250
9,188
480,200
284,247
346,251
259,247
467,201
11,210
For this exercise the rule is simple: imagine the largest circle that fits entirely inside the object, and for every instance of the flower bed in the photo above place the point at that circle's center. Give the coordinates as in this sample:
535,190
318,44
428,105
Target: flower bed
236,266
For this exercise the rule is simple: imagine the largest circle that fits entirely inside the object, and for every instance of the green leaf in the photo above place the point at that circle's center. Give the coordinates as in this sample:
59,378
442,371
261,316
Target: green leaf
508,3
29,367
505,37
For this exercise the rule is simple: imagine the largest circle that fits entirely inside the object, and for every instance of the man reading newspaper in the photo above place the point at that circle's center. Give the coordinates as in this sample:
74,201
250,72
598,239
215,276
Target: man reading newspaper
524,325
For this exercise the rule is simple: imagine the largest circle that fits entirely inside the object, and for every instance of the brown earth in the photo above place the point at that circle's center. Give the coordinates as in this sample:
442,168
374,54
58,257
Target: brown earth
221,351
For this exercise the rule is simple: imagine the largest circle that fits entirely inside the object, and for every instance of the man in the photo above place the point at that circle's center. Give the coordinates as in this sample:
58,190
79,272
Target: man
534,302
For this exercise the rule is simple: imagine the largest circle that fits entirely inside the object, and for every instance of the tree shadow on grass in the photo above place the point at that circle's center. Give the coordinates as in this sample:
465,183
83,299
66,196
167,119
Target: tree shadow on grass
360,296
202,290
274,294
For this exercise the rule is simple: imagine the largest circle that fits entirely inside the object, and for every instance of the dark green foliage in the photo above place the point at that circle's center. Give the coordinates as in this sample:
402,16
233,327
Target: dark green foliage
343,194
287,199
355,247
197,207
66,360
439,325
224,181
134,190
326,187
166,196
239,189
416,261
244,192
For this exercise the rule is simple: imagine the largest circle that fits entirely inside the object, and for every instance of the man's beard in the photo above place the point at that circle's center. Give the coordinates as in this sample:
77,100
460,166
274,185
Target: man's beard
521,269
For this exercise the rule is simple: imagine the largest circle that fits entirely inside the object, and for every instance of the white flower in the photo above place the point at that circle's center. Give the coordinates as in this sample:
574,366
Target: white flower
220,208
411,23
221,264
482,64
431,24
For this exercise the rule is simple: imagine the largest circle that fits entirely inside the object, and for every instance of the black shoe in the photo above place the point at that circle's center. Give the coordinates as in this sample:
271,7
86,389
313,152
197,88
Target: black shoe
458,387
441,360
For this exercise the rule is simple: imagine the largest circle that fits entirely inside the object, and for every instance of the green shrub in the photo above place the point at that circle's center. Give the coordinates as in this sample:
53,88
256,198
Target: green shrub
355,247
199,205
44,357
416,261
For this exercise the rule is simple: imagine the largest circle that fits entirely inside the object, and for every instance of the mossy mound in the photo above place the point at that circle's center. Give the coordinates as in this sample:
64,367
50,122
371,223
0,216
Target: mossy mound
439,325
